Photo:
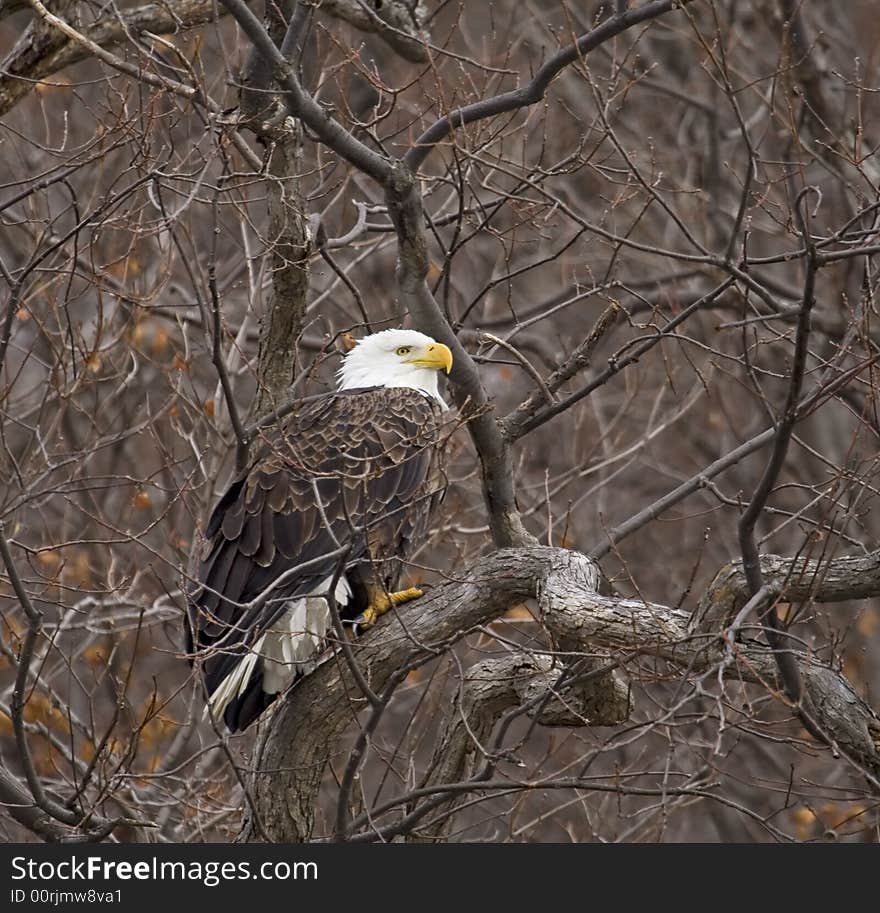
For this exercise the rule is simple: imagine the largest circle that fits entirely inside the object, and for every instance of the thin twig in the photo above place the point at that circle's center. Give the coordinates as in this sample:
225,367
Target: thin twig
218,359
34,616
529,368
533,92
788,668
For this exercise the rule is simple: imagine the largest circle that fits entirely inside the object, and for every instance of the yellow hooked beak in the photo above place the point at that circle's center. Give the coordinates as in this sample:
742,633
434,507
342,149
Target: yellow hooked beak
436,356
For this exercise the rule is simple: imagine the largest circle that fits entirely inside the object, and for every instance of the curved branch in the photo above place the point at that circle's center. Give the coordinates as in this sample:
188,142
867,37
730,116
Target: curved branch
791,579
37,56
773,628
534,91
498,684
407,215
394,21
302,105
288,771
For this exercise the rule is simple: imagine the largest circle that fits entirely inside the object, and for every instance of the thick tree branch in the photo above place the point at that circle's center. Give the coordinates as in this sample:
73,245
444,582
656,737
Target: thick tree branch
515,681
395,21
39,53
576,617
789,579
90,48
302,105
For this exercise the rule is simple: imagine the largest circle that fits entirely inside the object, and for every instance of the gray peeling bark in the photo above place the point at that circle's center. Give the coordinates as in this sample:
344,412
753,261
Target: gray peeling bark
304,732
315,714
397,22
494,687
791,580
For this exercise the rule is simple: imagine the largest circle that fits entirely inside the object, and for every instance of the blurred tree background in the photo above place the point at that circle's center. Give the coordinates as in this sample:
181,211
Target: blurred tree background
627,261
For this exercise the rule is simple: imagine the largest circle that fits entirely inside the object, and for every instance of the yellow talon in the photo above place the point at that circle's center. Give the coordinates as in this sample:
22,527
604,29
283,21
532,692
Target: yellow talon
403,596
381,602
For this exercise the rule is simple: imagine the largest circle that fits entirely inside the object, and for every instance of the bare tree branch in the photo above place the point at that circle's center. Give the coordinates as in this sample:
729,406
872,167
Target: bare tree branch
610,239
788,669
37,56
534,90
529,685
578,618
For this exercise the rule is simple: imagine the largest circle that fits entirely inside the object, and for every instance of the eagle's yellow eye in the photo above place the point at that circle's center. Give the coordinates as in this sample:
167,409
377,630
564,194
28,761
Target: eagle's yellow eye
404,350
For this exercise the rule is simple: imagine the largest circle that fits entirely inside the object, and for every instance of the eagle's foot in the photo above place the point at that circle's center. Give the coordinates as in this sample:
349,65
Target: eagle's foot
381,602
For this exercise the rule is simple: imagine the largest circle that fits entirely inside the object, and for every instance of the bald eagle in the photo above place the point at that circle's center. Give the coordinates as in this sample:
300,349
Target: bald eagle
341,489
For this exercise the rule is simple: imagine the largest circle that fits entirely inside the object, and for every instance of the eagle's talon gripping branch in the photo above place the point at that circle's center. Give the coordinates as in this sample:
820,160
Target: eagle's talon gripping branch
382,602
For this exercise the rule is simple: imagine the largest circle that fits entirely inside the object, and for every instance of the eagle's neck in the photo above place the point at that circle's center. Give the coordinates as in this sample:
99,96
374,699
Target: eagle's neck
422,379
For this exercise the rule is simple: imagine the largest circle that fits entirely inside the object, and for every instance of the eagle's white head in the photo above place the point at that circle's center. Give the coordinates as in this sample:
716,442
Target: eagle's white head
396,358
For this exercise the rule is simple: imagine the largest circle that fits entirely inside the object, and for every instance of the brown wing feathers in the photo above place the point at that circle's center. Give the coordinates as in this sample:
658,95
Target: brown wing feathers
370,456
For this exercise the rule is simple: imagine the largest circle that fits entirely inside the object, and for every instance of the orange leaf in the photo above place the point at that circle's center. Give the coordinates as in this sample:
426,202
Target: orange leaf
142,499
